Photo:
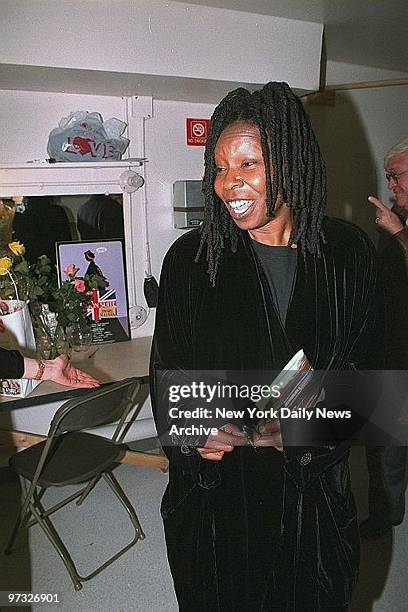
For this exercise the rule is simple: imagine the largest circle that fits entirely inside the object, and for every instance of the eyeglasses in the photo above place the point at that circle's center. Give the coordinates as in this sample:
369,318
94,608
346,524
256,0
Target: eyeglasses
394,175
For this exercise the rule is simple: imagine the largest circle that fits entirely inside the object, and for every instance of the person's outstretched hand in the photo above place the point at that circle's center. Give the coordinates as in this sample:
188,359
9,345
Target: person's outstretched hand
386,220
61,371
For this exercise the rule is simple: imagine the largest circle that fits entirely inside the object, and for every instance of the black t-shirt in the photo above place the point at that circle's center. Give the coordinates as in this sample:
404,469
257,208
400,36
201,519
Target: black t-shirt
279,266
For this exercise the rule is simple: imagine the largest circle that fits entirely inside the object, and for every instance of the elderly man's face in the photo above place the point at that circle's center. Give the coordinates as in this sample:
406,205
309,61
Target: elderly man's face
240,181
398,166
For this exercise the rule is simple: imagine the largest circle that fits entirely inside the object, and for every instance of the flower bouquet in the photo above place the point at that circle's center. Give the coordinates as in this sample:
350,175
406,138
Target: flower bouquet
54,309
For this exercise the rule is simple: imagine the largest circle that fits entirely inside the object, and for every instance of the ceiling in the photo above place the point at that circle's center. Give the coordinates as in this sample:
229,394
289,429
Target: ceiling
364,32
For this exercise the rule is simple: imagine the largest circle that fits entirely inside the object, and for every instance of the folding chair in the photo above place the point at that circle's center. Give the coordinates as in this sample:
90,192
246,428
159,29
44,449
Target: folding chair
71,456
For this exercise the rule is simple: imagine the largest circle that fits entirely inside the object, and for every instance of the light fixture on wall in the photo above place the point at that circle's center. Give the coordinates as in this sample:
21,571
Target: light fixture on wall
130,181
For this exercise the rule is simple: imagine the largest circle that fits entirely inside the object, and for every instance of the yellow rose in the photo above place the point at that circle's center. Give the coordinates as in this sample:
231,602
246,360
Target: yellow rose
5,265
16,248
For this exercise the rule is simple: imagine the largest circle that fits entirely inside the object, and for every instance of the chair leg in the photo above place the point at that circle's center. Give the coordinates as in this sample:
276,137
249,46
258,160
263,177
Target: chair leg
22,518
13,535
36,510
58,544
139,535
120,494
91,484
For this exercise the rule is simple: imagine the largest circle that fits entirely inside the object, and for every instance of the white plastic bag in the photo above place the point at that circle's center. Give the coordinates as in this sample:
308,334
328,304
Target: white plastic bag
84,136
16,332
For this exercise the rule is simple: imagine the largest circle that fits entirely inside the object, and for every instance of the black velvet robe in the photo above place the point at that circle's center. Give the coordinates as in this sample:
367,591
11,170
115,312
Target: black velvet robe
265,530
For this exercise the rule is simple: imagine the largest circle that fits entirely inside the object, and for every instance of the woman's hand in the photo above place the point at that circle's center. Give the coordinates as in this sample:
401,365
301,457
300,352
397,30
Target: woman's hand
61,371
268,434
227,437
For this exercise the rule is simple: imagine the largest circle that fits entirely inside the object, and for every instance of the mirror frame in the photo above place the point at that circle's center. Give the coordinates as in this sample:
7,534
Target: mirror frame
64,178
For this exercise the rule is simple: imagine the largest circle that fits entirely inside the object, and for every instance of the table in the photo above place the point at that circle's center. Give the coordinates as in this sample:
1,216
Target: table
25,423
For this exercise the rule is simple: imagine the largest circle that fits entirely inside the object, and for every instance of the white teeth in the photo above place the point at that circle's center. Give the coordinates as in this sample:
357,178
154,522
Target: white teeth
238,203
240,206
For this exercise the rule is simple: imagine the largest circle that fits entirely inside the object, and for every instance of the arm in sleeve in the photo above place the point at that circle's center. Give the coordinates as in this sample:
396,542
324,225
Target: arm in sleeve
171,352
11,364
345,384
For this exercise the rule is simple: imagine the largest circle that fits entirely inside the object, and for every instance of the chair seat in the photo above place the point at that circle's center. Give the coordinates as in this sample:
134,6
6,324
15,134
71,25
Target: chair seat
75,457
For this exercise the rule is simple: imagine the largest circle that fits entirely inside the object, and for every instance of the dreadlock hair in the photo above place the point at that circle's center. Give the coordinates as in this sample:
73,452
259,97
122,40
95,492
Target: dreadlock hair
290,147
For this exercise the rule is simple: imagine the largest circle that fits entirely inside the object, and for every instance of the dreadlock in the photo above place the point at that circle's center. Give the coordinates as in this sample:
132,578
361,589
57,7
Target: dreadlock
290,146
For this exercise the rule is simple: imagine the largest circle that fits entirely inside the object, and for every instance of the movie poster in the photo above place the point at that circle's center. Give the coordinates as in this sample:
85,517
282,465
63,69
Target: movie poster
108,313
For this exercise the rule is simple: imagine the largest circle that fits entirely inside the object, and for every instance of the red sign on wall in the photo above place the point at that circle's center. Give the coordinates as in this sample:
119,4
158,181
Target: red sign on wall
197,131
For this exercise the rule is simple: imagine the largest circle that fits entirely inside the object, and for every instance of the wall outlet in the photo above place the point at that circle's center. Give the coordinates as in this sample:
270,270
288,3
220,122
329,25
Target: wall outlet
137,316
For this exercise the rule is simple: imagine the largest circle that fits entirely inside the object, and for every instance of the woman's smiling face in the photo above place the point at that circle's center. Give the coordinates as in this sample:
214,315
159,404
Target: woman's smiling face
240,180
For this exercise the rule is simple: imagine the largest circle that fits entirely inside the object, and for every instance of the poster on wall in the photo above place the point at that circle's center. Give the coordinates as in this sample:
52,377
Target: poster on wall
108,312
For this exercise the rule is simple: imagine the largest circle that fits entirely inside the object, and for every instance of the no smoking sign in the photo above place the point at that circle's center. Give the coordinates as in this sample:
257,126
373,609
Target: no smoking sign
197,131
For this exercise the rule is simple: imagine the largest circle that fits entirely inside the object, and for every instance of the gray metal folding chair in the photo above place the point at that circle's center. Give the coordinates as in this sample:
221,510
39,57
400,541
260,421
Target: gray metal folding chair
72,456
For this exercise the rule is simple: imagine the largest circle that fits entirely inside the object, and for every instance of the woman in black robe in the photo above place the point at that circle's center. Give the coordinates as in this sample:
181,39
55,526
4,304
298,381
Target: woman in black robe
265,276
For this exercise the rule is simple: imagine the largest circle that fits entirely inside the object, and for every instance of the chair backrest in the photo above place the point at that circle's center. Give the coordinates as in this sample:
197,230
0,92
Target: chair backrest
103,405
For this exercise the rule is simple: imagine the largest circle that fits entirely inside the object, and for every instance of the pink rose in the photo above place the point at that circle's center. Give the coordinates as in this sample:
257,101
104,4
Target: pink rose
70,270
79,285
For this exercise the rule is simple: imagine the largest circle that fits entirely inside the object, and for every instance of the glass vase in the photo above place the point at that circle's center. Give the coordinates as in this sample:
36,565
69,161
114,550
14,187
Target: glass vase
50,336
52,343
79,337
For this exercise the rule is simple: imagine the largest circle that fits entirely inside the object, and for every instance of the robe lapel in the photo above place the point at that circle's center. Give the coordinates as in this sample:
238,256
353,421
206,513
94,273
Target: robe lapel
316,300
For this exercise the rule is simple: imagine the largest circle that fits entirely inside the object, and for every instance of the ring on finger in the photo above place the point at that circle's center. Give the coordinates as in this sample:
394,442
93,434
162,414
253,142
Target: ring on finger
225,428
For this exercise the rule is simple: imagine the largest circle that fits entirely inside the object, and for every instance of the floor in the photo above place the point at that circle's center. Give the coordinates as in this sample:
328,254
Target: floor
140,580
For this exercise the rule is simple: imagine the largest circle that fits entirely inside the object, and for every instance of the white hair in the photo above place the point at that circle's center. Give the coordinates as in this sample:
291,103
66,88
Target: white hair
400,147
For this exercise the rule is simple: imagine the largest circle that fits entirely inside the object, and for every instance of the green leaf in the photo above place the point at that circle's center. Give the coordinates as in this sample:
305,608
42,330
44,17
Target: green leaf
37,291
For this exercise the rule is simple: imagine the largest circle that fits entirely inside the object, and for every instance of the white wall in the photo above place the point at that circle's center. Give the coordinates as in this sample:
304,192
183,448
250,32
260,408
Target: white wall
28,117
354,136
159,37
339,72
169,159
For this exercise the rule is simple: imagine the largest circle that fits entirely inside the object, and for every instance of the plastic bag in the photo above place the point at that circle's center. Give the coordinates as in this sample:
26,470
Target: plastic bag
84,136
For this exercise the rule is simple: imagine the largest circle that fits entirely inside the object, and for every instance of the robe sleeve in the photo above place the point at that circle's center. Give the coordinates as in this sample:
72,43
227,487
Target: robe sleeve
11,364
356,384
171,354
359,347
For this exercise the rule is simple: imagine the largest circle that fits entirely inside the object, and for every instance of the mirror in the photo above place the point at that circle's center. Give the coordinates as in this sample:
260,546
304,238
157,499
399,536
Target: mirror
93,223
39,222
72,184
